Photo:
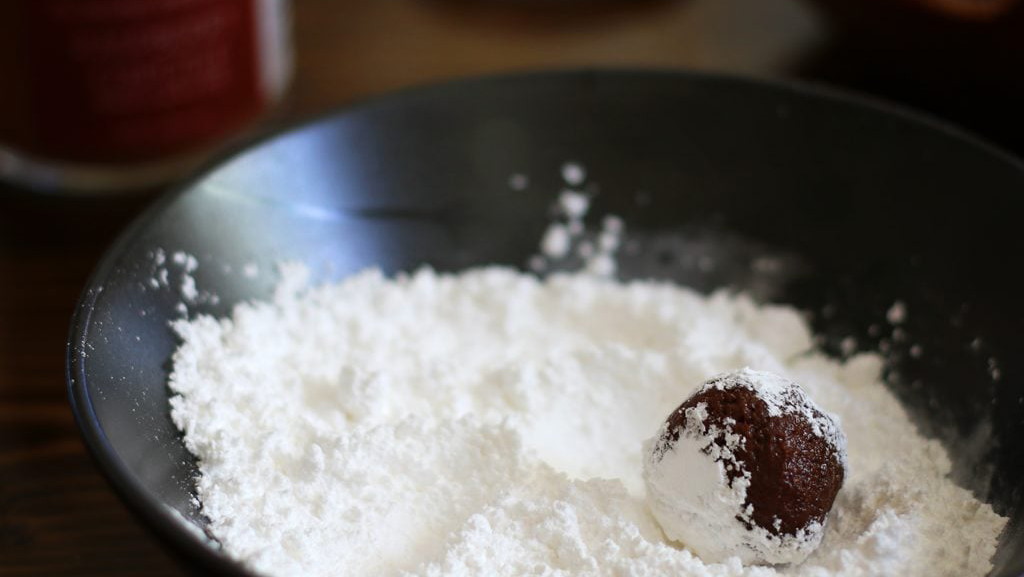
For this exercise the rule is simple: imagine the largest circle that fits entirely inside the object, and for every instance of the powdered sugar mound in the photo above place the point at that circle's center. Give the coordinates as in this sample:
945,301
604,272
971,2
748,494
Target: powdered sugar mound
518,181
569,528
491,423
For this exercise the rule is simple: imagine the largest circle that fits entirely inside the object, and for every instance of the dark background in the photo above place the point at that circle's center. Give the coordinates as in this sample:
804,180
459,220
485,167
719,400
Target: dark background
57,514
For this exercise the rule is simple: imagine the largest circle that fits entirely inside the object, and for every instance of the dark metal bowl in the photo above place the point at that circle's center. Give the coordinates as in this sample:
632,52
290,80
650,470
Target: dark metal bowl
863,203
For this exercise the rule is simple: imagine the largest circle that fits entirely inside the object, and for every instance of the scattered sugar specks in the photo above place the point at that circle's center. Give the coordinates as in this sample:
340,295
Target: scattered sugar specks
518,181
188,288
613,224
175,273
766,264
993,369
574,204
848,346
567,241
556,241
608,241
573,173
897,313
250,270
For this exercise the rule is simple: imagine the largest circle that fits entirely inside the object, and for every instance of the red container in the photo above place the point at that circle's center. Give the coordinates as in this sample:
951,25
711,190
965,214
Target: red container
100,95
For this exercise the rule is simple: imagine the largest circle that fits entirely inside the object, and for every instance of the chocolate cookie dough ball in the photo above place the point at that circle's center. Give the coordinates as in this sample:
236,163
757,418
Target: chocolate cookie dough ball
749,467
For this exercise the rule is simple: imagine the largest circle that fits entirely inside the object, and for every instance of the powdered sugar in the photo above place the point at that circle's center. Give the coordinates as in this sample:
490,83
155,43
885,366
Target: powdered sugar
491,423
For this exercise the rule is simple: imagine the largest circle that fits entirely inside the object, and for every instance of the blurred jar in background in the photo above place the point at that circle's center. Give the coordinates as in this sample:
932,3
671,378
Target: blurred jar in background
106,95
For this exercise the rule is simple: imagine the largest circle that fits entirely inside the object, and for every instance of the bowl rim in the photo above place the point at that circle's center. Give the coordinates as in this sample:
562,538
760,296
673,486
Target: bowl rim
194,549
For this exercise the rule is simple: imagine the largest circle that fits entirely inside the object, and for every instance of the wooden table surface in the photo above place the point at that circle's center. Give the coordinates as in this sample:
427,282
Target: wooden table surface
58,516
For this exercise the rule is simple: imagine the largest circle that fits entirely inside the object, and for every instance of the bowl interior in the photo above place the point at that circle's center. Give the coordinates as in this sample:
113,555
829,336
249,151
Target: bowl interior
857,205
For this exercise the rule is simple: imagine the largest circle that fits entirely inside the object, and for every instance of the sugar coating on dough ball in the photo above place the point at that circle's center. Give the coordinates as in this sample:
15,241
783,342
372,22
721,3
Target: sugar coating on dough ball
748,466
